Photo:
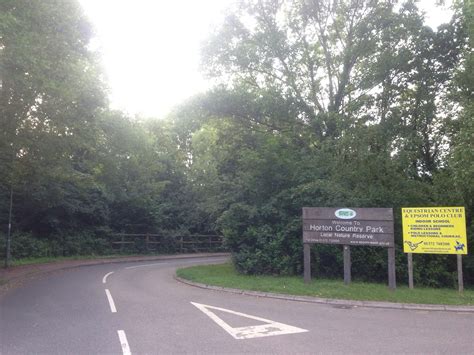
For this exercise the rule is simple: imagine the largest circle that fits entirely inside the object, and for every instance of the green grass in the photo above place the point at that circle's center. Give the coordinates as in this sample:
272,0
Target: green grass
225,275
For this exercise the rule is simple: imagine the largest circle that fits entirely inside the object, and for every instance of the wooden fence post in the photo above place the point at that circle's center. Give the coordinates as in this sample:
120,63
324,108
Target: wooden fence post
392,283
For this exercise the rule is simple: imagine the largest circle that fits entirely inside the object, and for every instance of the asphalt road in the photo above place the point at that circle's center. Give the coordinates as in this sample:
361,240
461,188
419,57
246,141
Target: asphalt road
146,311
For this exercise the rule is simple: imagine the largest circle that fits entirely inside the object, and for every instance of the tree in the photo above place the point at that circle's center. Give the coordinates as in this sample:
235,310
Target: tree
463,149
50,95
461,162
330,66
359,94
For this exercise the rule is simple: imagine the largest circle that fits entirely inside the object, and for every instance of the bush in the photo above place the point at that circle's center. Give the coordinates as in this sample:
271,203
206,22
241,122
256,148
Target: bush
85,243
267,240
257,245
24,245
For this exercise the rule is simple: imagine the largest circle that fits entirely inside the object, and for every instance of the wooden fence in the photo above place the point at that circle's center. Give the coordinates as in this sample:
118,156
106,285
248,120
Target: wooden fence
149,242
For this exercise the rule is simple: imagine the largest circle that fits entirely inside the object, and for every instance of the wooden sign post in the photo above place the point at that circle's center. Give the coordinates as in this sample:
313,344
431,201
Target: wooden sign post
347,264
307,263
460,278
392,280
410,270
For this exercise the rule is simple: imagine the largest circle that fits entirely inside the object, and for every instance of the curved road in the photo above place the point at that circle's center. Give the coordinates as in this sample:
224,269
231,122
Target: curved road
139,308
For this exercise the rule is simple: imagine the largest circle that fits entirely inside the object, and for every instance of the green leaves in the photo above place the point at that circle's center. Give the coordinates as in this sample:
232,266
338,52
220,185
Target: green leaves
328,103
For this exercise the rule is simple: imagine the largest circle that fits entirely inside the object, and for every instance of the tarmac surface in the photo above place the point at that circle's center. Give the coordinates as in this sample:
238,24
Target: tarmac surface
140,308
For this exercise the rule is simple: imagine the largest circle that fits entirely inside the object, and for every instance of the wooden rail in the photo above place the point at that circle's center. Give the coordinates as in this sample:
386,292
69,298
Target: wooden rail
149,242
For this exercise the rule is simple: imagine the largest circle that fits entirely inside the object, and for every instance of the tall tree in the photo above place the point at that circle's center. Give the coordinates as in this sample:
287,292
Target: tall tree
463,150
329,66
354,95
50,94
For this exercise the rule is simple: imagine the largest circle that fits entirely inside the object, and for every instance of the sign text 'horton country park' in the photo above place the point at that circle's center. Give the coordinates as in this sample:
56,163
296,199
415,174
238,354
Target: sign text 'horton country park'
348,226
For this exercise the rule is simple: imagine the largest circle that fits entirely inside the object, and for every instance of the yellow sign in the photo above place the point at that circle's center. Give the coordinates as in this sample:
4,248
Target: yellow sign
434,230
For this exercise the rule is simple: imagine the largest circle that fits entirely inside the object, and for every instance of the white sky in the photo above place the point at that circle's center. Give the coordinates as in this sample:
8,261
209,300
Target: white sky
151,48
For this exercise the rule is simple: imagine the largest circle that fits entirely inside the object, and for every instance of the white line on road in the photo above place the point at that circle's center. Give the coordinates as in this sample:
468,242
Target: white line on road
134,267
104,280
111,301
124,342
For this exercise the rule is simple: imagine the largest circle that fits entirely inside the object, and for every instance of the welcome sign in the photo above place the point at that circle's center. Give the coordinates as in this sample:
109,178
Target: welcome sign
348,226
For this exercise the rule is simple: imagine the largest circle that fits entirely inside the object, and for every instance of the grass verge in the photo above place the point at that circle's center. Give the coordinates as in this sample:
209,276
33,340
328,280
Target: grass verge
225,275
44,260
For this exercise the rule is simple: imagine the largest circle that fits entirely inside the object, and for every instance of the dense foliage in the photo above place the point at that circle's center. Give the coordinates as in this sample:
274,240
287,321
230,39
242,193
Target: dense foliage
320,103
76,170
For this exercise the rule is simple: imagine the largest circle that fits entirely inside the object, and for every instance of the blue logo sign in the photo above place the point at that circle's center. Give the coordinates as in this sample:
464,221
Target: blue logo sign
459,246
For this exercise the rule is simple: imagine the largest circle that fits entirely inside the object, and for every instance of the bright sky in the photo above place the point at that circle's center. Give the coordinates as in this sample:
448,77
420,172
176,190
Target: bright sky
151,48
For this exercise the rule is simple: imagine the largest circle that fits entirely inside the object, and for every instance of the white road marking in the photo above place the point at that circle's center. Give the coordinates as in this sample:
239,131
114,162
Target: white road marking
104,280
137,266
249,332
124,342
111,301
